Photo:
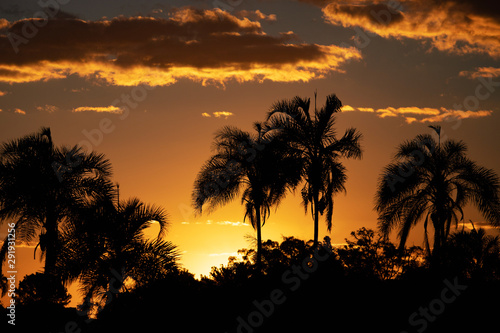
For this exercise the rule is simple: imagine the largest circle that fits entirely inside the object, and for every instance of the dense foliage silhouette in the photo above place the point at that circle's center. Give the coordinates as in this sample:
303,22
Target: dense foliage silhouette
105,250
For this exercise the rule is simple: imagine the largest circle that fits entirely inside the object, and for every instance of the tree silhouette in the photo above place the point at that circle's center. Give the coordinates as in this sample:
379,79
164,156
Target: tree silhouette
472,254
368,256
316,139
106,251
276,258
41,185
42,289
261,165
432,182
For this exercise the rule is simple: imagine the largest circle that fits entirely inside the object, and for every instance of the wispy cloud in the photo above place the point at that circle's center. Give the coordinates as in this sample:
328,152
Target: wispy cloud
481,72
422,115
225,254
366,109
217,114
209,46
47,108
108,109
255,15
3,93
77,90
458,114
224,114
478,224
19,111
223,223
232,224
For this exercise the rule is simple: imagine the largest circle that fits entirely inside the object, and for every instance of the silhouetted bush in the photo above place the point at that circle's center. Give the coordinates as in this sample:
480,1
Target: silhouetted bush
42,289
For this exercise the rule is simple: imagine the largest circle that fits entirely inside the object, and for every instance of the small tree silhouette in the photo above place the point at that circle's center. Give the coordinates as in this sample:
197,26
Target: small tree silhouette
106,248
42,289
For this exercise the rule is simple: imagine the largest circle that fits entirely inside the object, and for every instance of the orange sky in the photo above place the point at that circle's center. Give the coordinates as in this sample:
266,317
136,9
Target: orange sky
148,83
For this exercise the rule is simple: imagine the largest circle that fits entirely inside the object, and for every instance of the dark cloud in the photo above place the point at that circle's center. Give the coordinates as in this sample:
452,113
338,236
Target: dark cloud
189,38
456,26
486,8
377,13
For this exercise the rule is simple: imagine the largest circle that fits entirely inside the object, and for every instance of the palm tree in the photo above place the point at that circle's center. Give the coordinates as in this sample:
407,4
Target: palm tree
434,181
41,185
473,253
106,245
262,166
316,139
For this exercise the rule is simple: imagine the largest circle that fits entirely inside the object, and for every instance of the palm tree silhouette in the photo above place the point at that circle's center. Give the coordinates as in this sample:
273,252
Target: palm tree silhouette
106,244
473,253
260,165
315,138
41,185
433,181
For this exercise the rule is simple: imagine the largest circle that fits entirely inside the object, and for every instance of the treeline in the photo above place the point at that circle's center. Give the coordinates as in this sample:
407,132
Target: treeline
366,284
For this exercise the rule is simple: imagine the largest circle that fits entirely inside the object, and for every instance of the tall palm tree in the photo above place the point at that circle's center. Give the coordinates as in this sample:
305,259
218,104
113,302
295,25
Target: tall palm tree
261,166
434,181
316,139
41,184
106,244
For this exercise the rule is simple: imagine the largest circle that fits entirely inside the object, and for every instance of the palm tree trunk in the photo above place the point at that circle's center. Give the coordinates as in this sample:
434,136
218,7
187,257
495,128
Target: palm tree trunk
316,219
259,238
438,243
51,245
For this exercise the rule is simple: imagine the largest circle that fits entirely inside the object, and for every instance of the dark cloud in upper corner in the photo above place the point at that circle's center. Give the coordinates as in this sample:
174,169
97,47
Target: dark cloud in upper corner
488,8
454,26
201,45
15,12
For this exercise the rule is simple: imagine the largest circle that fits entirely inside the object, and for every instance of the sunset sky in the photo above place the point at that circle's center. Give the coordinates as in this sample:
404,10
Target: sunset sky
148,83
